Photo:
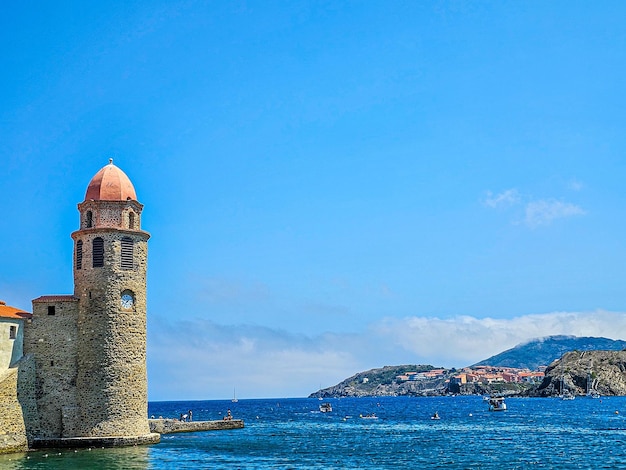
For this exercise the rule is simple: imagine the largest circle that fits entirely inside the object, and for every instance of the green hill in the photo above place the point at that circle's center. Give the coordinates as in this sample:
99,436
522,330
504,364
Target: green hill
383,382
543,351
538,352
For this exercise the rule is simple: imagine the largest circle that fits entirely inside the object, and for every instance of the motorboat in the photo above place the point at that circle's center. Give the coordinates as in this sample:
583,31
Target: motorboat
435,416
326,407
497,404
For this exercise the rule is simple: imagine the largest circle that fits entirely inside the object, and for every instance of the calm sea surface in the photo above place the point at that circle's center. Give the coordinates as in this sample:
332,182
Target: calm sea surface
292,433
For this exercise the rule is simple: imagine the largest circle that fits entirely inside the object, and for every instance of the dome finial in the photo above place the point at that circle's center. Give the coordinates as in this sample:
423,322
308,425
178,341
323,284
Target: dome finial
110,161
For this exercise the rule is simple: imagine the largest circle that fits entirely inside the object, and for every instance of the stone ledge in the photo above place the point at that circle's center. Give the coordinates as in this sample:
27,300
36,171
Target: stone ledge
168,426
79,442
10,443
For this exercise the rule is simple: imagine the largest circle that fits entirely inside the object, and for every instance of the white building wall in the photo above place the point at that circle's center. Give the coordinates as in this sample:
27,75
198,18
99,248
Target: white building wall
11,349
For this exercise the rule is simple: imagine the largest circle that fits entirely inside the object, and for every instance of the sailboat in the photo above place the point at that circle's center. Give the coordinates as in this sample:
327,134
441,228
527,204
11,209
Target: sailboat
591,391
565,394
234,400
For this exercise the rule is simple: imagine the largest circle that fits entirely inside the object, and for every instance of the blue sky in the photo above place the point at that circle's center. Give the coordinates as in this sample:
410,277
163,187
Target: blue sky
330,186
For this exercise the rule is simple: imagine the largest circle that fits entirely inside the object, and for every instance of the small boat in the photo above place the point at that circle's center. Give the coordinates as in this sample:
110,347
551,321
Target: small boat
326,407
591,391
435,416
565,394
234,400
369,416
497,404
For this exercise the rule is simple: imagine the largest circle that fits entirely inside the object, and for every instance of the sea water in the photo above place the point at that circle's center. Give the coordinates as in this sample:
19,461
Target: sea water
292,433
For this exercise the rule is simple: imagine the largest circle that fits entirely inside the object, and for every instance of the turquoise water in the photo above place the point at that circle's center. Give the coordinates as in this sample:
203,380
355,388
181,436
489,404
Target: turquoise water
292,433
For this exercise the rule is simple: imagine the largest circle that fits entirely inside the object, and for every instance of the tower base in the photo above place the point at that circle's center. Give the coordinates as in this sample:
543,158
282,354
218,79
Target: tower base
81,442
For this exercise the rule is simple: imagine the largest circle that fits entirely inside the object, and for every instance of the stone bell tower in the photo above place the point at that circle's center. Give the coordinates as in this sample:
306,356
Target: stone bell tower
110,264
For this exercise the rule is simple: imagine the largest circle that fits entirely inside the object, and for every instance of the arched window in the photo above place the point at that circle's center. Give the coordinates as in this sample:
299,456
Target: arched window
131,221
98,252
79,254
127,253
88,219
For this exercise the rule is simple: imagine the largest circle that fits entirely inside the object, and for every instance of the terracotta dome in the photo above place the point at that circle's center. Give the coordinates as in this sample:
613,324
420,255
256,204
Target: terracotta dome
110,184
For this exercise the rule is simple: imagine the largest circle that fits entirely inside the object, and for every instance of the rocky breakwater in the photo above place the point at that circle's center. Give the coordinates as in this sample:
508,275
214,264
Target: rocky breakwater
169,426
579,373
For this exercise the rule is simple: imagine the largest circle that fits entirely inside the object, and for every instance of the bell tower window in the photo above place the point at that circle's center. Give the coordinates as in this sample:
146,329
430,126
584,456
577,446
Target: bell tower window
131,221
98,252
89,219
127,253
79,254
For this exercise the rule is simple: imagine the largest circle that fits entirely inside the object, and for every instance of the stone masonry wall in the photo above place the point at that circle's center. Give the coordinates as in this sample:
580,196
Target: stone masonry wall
52,340
12,428
111,214
26,394
112,381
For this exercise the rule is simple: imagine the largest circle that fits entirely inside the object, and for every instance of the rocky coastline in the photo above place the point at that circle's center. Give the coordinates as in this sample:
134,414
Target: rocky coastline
383,382
577,373
584,372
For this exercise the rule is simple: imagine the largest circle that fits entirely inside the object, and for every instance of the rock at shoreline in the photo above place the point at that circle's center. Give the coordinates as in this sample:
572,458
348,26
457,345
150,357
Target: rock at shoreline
602,372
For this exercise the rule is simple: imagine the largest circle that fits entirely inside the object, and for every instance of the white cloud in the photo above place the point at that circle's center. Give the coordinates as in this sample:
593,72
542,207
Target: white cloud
202,360
464,340
199,359
504,199
536,212
545,211
575,185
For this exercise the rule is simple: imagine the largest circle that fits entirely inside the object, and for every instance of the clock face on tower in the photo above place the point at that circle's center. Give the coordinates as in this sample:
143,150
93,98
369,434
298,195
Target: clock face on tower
127,300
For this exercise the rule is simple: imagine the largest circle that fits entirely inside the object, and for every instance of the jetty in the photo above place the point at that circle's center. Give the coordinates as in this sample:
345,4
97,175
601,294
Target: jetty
169,426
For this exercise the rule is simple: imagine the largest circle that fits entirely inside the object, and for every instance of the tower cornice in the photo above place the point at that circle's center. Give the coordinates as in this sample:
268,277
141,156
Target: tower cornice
97,230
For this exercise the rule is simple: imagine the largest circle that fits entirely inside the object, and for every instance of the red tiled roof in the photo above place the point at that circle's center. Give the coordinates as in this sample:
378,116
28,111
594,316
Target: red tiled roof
11,312
56,298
